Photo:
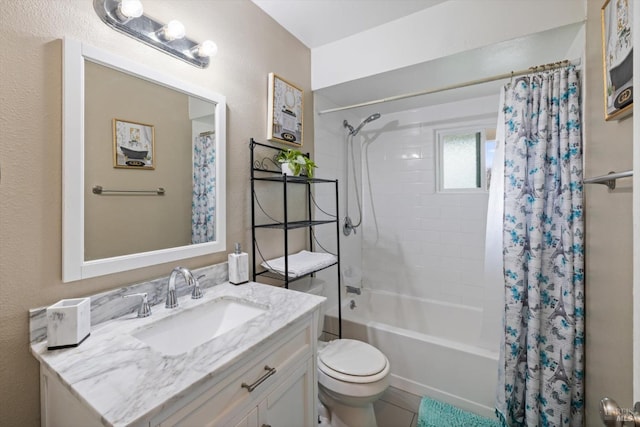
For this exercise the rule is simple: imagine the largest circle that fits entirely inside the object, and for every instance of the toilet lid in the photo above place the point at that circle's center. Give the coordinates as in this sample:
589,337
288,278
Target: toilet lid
354,358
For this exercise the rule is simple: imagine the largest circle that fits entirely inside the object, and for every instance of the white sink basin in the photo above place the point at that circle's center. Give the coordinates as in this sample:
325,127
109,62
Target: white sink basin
188,329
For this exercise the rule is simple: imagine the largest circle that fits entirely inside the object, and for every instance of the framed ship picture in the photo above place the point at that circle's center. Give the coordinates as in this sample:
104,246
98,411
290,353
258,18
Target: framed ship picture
617,58
133,145
284,120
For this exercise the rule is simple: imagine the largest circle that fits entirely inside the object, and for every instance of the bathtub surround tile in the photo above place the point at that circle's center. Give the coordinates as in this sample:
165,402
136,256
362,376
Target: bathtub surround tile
408,176
472,225
451,199
468,295
472,266
447,295
448,224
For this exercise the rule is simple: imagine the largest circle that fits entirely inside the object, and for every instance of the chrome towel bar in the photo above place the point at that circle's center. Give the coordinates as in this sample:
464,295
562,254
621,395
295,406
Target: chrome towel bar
609,180
97,189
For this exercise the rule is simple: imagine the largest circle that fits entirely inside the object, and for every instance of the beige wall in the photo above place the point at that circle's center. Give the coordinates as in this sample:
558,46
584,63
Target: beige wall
250,46
609,244
125,224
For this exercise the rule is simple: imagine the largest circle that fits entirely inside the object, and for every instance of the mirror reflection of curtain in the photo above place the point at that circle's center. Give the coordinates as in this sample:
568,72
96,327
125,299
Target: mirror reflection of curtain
204,179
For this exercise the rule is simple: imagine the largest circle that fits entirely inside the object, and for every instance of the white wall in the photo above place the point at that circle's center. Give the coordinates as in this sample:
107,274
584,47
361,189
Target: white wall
417,241
435,33
413,241
330,158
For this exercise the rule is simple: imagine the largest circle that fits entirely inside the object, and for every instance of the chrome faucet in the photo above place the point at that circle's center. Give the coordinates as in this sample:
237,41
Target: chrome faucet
144,310
172,300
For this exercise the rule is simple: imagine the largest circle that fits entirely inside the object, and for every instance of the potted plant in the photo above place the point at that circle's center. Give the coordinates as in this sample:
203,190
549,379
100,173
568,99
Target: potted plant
293,162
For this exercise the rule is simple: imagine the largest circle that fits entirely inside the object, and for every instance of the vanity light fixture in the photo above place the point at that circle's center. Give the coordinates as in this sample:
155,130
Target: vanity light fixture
127,17
128,9
173,30
205,49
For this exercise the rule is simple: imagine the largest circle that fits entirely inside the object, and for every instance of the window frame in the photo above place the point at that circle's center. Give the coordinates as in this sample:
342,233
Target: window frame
476,128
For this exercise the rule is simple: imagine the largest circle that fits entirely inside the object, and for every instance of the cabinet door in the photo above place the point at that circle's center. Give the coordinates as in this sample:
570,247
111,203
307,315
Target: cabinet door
292,403
251,420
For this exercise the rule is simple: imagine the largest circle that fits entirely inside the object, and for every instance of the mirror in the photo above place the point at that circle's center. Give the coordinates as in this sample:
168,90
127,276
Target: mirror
138,145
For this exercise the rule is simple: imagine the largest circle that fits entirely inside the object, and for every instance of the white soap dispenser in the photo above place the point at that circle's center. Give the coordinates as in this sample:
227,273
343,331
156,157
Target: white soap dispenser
238,267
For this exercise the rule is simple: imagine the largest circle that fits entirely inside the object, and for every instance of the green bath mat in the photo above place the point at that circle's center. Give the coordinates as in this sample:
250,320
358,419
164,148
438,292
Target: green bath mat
433,413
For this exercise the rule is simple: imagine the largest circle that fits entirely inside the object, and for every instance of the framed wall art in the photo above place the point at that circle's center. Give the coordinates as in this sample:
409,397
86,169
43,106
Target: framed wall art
133,145
617,58
284,121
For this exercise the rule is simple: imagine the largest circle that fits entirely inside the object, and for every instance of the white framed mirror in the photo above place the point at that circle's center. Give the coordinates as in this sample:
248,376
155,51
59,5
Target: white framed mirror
131,223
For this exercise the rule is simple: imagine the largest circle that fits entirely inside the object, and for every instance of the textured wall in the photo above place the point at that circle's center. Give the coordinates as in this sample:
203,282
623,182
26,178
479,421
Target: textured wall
250,45
608,241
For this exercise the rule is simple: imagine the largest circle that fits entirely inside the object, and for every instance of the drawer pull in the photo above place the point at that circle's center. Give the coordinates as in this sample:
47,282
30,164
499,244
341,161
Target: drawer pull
251,387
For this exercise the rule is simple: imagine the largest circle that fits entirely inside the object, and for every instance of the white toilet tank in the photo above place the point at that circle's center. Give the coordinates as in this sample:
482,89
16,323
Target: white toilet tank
315,286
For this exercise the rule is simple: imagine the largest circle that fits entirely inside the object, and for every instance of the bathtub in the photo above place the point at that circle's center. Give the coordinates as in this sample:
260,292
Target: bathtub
432,346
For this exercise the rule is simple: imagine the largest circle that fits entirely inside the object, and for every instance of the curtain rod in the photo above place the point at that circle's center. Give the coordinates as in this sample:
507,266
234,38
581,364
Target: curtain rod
511,74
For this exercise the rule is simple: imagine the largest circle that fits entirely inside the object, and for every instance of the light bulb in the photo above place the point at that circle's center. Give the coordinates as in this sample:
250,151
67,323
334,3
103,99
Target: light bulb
206,49
172,31
128,9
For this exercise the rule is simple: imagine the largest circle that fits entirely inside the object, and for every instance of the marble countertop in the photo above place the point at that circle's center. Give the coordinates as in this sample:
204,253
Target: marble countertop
124,381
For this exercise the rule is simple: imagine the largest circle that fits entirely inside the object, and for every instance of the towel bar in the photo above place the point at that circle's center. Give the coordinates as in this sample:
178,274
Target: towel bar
609,180
97,189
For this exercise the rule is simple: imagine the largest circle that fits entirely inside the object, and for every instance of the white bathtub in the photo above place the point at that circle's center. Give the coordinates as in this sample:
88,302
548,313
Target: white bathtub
432,346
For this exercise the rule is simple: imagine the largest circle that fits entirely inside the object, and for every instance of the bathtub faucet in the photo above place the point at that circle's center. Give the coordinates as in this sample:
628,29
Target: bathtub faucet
353,290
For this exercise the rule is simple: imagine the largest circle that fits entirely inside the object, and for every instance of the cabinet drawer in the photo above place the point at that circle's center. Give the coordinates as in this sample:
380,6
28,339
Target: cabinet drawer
232,396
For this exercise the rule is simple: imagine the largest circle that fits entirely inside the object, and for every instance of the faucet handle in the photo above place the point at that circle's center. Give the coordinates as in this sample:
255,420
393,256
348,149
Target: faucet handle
144,310
197,292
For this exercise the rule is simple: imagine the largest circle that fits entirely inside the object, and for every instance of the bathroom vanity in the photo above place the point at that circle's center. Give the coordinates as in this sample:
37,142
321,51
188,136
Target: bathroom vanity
258,369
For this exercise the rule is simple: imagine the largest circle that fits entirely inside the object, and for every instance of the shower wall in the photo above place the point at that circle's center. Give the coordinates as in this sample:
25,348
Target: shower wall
329,155
414,241
417,241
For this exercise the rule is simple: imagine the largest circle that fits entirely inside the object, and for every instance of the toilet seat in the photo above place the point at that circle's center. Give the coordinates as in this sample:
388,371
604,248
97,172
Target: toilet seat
353,361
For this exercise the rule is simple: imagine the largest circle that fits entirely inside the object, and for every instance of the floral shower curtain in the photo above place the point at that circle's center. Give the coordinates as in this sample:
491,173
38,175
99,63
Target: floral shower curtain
542,357
203,200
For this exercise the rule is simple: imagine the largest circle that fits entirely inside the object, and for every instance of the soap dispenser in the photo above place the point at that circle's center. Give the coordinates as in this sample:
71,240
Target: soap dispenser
238,266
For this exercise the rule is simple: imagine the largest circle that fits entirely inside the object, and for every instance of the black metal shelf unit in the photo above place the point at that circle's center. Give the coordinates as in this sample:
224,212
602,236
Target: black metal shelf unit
264,167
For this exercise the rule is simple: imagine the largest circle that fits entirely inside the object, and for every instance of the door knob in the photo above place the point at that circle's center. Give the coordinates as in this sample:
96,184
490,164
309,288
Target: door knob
614,416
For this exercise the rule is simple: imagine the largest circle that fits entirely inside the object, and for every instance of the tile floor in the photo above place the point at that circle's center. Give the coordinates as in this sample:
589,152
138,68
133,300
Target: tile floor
397,408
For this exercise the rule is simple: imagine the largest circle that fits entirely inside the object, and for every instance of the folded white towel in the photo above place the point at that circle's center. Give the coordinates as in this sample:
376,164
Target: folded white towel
302,263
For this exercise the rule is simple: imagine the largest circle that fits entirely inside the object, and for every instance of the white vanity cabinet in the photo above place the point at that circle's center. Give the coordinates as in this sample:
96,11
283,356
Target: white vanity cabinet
282,383
287,405
272,384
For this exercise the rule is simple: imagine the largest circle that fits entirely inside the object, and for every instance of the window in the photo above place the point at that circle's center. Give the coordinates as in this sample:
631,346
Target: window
465,158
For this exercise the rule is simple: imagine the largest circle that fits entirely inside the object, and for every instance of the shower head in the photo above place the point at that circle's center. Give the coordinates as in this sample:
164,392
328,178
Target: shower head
374,116
354,132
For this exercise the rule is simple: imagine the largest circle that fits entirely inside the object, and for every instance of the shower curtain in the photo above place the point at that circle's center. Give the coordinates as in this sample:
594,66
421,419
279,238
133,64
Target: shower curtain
541,361
203,198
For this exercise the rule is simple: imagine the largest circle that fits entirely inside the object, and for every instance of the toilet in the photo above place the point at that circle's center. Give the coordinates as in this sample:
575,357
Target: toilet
351,376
